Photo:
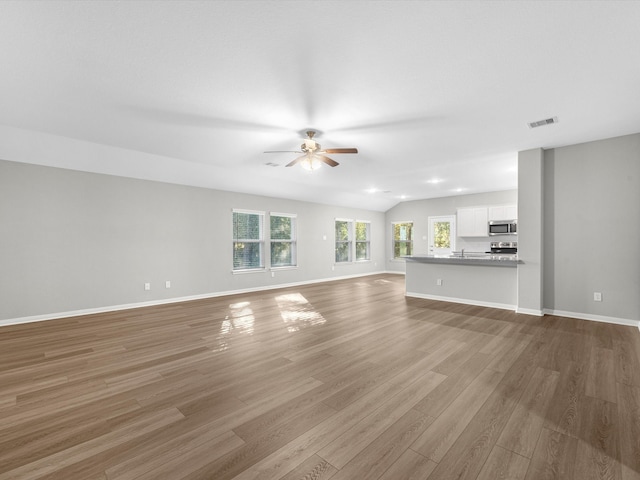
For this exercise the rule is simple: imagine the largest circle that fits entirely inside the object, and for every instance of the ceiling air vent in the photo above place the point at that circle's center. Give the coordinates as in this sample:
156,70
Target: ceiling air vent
541,123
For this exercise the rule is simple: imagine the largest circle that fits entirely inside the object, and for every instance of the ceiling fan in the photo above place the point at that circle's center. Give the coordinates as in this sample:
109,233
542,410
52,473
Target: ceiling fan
314,156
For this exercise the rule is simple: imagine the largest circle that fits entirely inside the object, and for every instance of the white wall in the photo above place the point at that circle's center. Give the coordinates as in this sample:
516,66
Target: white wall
592,228
419,211
73,240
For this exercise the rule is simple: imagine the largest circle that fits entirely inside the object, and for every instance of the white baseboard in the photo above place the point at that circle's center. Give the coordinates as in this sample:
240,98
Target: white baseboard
115,308
530,311
594,318
527,311
464,301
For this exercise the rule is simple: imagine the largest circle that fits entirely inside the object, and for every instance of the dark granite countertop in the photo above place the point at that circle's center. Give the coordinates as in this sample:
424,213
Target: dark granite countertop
489,259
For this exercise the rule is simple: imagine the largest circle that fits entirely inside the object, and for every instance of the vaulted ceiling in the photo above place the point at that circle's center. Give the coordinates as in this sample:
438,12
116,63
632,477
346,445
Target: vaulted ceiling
436,96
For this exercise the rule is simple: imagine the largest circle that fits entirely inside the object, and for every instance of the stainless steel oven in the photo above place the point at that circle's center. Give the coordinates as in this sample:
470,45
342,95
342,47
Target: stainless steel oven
504,248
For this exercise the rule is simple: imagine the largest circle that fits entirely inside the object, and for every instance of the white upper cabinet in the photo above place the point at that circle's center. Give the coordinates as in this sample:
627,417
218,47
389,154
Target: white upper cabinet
503,212
472,222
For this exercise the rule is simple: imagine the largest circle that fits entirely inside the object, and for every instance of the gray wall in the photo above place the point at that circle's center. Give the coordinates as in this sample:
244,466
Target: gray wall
530,231
592,228
73,240
488,285
419,211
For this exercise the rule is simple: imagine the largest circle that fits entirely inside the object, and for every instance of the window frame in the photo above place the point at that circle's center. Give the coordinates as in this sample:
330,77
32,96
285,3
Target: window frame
260,241
293,241
367,240
348,241
393,239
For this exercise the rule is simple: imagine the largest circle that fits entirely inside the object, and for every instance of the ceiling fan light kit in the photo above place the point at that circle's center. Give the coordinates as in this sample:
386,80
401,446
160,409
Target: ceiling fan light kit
314,157
311,163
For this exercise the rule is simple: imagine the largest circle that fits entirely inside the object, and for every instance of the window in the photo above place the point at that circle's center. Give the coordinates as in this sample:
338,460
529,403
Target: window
248,240
283,240
402,239
362,241
442,234
343,240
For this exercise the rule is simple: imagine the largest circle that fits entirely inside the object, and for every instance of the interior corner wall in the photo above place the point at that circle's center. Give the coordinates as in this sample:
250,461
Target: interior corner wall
592,228
73,241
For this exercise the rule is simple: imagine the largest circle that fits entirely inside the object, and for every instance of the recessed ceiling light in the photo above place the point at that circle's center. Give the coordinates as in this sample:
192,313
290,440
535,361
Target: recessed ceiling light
434,180
372,190
542,123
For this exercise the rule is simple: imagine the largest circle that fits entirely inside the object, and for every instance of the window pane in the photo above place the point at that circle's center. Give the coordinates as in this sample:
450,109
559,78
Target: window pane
281,228
343,252
401,249
281,254
403,231
362,231
247,255
342,231
247,226
362,250
442,234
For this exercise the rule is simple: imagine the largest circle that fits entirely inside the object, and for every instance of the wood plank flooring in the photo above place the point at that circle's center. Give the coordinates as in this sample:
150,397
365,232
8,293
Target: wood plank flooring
338,380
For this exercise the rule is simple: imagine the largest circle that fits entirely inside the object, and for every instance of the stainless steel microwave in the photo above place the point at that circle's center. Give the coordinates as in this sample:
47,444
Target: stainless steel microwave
503,227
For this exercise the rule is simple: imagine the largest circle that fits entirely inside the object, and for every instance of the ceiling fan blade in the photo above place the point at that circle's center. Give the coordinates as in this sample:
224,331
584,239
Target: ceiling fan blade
282,151
297,160
340,150
328,161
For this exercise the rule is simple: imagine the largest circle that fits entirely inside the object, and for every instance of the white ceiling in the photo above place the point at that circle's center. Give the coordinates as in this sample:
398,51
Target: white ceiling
425,90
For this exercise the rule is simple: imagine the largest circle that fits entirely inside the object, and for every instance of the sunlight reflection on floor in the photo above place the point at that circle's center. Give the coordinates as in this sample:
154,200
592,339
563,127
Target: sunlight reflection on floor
239,321
297,312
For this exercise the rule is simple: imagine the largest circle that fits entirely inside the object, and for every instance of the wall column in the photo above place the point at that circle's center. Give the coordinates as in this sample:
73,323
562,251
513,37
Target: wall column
530,231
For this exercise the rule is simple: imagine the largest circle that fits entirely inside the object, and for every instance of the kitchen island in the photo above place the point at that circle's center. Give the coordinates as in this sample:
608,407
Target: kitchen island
486,280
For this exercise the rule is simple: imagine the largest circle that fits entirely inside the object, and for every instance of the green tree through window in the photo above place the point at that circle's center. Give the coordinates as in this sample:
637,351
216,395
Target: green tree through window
362,241
283,240
343,241
442,234
402,239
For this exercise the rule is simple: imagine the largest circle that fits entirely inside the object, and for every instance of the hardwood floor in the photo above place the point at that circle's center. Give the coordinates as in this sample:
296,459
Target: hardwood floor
340,380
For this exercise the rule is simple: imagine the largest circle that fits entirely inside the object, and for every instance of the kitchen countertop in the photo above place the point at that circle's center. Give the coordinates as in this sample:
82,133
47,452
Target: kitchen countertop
494,260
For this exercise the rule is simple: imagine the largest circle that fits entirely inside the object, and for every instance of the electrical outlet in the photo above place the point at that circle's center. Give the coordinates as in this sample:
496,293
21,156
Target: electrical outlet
167,284
597,296
439,282
273,274
147,286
